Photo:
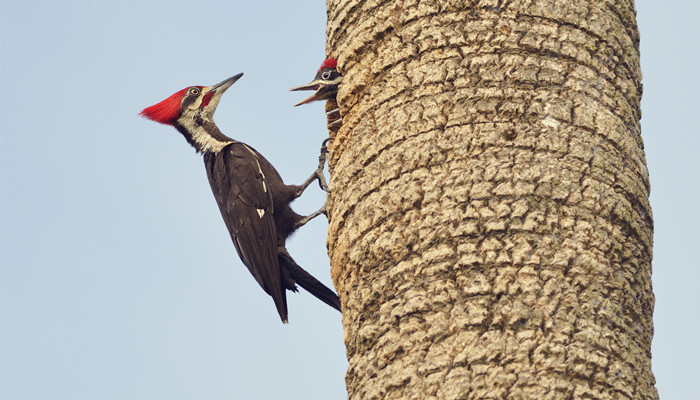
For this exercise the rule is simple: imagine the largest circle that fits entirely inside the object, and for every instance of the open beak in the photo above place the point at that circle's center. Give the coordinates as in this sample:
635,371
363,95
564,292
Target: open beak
313,85
317,85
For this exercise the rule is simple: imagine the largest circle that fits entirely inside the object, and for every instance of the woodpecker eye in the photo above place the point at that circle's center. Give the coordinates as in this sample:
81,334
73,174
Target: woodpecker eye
194,91
326,75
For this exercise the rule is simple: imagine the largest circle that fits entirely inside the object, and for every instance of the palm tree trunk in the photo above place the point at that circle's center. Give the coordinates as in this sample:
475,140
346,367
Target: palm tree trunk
490,231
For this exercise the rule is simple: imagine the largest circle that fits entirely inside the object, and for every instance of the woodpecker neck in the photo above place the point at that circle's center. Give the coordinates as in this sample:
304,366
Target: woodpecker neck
202,134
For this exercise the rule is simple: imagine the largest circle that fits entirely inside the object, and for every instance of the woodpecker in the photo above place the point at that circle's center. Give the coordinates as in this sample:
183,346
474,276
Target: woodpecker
325,83
251,195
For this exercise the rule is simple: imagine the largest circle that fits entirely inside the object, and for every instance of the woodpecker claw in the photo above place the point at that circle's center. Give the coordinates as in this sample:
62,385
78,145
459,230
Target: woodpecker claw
309,217
322,179
318,173
321,164
333,111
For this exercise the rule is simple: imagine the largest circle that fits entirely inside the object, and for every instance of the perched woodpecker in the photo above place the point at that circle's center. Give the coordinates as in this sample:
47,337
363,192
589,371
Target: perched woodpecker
252,198
325,84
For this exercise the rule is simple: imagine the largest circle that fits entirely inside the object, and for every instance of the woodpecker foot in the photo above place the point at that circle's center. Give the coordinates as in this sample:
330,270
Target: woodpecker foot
321,164
309,217
318,173
324,153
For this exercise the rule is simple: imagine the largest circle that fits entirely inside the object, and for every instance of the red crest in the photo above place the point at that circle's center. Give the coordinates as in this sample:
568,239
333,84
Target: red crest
328,63
167,111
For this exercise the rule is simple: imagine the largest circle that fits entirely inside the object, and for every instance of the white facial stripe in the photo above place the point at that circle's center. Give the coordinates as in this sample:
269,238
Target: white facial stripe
201,137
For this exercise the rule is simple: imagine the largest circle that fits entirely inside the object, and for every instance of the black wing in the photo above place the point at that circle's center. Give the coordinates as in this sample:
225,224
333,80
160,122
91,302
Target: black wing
246,205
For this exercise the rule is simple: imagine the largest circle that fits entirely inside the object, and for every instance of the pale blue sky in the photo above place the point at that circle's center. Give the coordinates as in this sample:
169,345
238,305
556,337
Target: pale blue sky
117,277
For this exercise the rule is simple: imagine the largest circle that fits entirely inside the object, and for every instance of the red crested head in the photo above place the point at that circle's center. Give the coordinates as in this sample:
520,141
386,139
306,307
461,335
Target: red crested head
168,110
328,63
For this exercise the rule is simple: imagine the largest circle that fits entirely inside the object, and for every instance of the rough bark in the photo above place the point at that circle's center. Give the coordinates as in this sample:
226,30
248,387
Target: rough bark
490,231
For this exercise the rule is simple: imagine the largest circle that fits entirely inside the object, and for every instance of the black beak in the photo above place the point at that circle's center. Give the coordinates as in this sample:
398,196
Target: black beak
323,90
225,84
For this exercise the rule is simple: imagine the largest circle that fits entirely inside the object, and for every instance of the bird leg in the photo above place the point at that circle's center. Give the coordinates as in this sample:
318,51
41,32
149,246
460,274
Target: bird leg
318,173
309,217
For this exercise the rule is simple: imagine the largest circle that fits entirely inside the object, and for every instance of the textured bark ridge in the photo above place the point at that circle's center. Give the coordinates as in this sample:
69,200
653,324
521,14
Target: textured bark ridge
490,231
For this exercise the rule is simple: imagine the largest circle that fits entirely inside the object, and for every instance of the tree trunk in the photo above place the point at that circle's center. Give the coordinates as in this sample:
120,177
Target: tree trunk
490,231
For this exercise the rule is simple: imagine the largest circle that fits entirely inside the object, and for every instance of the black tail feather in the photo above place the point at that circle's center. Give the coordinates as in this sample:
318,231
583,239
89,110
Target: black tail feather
307,281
